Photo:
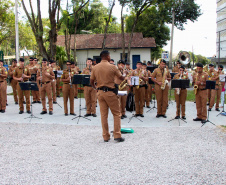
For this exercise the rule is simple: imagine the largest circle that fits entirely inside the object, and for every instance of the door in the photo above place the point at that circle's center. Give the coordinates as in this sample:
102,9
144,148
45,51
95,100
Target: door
135,59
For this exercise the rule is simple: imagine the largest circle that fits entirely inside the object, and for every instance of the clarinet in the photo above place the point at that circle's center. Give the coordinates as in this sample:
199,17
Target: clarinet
70,77
23,75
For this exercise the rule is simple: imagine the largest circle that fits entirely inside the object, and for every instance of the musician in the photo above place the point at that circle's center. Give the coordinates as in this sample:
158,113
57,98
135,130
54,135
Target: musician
3,86
54,81
139,91
68,89
104,74
201,95
147,93
33,70
118,81
149,64
89,93
176,68
12,81
112,61
94,62
217,90
180,94
46,75
76,71
22,74
160,76
210,74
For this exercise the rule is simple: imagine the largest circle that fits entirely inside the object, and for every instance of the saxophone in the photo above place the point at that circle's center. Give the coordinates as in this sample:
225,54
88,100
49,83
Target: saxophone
164,81
178,89
140,80
196,86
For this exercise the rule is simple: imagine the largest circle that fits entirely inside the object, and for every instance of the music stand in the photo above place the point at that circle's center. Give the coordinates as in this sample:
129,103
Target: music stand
209,85
84,80
151,68
151,82
223,79
182,84
33,78
29,86
170,88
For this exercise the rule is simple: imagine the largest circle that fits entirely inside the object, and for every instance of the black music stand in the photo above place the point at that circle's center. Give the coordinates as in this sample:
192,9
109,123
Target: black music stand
151,82
209,85
33,78
29,86
223,112
151,68
170,88
180,83
84,80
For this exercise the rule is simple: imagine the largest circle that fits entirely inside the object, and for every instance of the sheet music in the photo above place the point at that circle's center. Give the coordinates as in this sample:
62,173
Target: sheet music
222,78
135,80
59,74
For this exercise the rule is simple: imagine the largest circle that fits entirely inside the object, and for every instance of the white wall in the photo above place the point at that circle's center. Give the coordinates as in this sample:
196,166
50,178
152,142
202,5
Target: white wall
82,55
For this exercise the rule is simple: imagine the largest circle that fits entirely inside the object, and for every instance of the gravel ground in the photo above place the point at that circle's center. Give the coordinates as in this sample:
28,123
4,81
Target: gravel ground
76,154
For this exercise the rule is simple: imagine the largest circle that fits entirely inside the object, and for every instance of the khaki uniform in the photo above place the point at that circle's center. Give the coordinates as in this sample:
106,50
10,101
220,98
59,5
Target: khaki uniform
13,83
68,91
38,95
33,70
104,74
139,92
18,74
201,96
210,75
216,91
55,83
3,86
76,69
90,94
161,95
176,69
122,99
148,92
181,97
45,87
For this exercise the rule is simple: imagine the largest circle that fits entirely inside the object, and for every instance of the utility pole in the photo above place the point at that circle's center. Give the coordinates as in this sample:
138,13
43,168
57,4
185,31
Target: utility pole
17,30
219,48
171,44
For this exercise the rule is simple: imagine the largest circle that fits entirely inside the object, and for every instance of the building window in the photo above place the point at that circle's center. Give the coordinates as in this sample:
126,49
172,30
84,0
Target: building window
125,56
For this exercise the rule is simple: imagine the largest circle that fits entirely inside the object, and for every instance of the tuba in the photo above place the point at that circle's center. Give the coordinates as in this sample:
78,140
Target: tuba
184,57
164,81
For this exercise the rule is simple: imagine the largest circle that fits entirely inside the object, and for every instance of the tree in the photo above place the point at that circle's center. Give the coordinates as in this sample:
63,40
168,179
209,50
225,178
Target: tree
36,24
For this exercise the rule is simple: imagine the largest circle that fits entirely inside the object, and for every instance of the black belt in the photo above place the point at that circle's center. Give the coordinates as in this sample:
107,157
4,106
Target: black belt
1,81
45,82
86,85
105,89
202,89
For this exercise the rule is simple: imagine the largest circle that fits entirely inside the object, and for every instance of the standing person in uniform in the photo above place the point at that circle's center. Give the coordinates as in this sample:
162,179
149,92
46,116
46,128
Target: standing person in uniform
3,85
139,91
159,77
5,79
217,90
22,74
33,70
68,89
180,94
176,68
149,64
53,82
38,93
76,70
12,81
104,74
112,61
46,75
118,81
210,75
146,97
201,95
89,92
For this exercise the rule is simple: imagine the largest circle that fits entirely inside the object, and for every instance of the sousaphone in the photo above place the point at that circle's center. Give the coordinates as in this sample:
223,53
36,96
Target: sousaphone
184,58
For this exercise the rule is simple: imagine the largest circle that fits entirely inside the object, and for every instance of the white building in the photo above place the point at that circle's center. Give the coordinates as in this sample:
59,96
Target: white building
221,31
89,46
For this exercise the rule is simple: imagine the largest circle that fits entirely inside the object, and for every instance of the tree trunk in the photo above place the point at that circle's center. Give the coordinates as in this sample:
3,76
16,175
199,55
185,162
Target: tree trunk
75,55
106,27
123,34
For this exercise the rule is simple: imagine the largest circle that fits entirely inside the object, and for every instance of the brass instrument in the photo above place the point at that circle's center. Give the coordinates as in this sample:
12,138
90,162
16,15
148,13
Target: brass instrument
70,78
184,57
196,86
140,80
164,81
205,68
178,89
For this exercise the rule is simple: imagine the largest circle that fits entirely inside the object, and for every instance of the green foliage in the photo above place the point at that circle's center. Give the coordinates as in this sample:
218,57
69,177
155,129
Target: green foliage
202,59
61,56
